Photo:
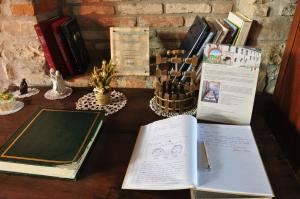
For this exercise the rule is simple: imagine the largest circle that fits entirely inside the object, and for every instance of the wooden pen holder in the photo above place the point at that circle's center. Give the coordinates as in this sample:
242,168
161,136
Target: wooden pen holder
175,89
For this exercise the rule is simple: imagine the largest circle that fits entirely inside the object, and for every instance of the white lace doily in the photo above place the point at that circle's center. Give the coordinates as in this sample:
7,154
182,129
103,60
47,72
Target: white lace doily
30,92
88,102
52,95
19,105
161,112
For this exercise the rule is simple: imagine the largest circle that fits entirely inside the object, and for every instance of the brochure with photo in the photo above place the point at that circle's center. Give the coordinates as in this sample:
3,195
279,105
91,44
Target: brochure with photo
228,83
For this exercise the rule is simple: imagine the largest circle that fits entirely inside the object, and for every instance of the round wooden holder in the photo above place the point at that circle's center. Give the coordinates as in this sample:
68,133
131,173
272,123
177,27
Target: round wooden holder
174,88
177,103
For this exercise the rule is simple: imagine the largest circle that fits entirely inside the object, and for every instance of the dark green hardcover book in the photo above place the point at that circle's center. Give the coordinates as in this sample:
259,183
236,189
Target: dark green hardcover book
51,143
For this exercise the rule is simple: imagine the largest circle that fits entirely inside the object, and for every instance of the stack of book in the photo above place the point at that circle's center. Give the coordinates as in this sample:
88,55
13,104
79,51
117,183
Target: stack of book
233,30
63,45
52,143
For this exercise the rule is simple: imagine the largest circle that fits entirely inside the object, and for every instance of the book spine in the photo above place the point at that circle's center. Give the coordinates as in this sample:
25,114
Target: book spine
200,52
47,54
224,32
197,44
64,51
50,48
236,20
76,45
241,40
239,28
236,37
244,27
217,37
231,34
228,37
77,63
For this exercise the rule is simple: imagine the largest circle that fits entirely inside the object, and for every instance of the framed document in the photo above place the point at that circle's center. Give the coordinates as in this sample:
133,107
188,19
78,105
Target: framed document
130,50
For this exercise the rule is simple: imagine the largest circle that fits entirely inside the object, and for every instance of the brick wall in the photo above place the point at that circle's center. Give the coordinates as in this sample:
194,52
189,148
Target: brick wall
168,20
20,52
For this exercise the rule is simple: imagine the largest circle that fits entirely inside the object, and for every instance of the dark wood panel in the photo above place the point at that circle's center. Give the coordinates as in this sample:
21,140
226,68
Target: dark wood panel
286,134
287,90
286,96
289,100
287,52
104,170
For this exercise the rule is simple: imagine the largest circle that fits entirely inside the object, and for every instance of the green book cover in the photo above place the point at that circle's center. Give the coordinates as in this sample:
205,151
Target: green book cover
52,137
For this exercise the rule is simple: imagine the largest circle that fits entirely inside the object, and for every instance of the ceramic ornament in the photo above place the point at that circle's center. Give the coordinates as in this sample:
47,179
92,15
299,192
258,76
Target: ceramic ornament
59,89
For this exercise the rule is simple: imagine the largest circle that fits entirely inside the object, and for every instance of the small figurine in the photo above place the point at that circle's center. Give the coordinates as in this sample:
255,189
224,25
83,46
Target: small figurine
57,81
53,79
59,89
23,87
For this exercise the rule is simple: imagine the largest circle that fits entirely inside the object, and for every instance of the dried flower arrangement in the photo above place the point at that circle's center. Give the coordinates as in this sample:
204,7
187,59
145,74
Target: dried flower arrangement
100,80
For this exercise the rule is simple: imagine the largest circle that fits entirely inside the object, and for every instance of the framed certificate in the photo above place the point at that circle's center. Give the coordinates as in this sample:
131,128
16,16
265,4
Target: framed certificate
130,50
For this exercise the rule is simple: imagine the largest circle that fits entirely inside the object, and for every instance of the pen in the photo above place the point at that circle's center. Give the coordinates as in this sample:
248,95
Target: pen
206,154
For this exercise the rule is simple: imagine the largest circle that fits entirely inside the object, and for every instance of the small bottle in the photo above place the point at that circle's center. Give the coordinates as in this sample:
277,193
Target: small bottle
23,87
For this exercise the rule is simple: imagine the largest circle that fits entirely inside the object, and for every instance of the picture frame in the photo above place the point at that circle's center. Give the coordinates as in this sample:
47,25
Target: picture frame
130,50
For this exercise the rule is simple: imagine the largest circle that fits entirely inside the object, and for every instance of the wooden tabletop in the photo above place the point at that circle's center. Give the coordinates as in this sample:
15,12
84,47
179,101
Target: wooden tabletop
102,175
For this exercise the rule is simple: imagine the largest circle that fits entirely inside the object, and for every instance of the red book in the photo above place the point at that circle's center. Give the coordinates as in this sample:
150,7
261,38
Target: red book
63,47
48,43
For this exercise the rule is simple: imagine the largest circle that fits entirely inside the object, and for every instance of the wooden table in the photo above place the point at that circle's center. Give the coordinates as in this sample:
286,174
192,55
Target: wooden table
102,175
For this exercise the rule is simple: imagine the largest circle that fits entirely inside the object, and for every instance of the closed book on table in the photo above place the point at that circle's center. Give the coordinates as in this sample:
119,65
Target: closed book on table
51,143
71,32
49,46
61,43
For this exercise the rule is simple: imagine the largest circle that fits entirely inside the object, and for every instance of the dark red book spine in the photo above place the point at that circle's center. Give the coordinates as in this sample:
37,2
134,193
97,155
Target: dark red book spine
45,48
49,45
65,51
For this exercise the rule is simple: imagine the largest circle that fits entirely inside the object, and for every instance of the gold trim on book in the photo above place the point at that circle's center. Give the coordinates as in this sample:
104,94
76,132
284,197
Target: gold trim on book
45,160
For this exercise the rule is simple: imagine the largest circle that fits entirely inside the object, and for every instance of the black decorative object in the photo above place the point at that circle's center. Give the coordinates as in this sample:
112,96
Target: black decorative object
23,87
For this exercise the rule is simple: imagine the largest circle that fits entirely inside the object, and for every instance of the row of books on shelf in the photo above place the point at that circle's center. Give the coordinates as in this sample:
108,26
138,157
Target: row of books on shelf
233,30
65,50
63,45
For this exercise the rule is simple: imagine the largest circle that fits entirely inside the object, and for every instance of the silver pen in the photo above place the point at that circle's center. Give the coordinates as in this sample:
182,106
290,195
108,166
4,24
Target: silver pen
206,154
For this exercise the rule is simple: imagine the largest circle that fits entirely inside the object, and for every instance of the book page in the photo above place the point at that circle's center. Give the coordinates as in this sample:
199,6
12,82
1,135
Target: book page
162,157
236,166
213,195
228,84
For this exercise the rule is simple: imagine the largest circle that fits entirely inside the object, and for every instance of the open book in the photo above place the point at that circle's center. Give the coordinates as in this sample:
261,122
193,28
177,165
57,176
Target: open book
170,154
